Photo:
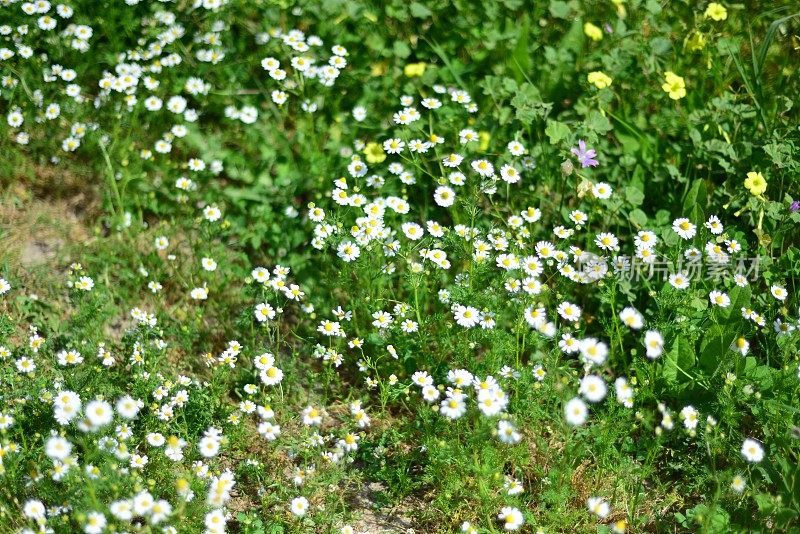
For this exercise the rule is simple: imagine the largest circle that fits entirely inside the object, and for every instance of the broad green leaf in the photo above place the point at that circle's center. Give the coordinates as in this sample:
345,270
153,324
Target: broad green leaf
401,49
670,237
638,218
529,105
634,195
715,347
696,196
559,9
598,122
556,131
419,10
520,60
740,298
679,360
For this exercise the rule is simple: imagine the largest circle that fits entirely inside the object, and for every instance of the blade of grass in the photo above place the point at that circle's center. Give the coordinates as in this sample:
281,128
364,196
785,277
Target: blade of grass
443,56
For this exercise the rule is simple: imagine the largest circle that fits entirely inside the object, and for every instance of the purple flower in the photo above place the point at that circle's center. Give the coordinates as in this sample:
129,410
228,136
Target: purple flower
795,206
585,157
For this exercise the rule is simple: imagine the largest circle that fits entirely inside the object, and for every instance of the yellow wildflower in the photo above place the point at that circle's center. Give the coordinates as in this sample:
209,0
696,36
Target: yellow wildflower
374,153
755,183
600,79
716,11
377,69
695,42
484,137
592,32
674,85
414,69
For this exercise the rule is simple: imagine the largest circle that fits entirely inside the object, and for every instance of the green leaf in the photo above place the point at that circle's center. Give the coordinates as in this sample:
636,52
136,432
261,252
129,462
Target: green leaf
740,298
401,49
630,145
660,45
556,131
597,122
243,194
637,180
786,517
375,42
574,39
559,9
781,154
761,375
653,6
765,503
638,218
696,196
715,346
529,105
679,360
663,217
697,303
520,61
419,10
670,237
634,195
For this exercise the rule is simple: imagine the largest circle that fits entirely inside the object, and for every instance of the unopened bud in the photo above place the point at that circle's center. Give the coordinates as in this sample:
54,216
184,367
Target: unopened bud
567,168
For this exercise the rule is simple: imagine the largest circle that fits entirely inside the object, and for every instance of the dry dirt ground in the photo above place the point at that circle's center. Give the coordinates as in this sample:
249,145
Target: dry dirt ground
41,213
376,520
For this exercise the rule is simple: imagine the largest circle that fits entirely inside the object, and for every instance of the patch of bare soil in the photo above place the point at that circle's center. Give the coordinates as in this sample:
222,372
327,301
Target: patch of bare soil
40,216
381,520
35,233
